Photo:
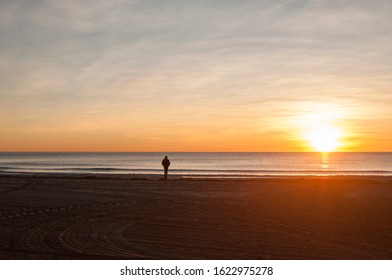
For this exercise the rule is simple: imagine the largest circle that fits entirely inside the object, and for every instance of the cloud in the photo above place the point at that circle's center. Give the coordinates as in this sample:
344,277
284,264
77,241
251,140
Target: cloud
195,62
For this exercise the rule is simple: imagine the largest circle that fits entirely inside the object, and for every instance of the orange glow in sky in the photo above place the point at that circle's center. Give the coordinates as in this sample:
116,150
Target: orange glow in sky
196,76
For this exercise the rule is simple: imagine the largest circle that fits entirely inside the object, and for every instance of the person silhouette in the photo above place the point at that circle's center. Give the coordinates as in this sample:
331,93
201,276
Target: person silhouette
166,164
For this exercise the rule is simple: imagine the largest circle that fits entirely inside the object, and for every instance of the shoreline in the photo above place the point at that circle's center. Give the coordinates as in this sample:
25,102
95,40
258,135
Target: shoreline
128,217
230,165
146,176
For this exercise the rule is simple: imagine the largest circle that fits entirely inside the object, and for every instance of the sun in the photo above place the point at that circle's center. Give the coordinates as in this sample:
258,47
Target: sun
324,138
322,127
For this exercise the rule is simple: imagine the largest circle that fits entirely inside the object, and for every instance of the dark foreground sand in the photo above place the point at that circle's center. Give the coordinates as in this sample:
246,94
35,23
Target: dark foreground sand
52,217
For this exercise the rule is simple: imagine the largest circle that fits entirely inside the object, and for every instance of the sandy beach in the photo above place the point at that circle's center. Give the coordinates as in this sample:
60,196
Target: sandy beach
140,217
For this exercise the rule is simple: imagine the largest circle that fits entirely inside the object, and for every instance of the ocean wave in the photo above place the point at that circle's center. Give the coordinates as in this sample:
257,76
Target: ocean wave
228,172
209,164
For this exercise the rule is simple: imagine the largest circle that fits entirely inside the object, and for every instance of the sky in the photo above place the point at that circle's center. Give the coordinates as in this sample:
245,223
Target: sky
207,75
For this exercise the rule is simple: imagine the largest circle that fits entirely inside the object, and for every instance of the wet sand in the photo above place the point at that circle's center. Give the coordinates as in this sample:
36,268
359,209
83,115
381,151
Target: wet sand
128,217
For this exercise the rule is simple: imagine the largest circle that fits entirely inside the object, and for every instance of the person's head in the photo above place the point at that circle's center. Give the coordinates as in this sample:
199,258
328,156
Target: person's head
165,156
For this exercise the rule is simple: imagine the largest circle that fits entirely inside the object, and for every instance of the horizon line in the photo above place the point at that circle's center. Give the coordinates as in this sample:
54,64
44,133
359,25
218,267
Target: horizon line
196,152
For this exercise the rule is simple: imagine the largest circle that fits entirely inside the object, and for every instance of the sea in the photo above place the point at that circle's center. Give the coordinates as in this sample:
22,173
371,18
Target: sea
200,164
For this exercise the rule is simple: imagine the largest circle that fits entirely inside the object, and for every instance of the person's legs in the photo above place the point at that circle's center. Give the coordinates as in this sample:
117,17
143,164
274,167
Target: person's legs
166,169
